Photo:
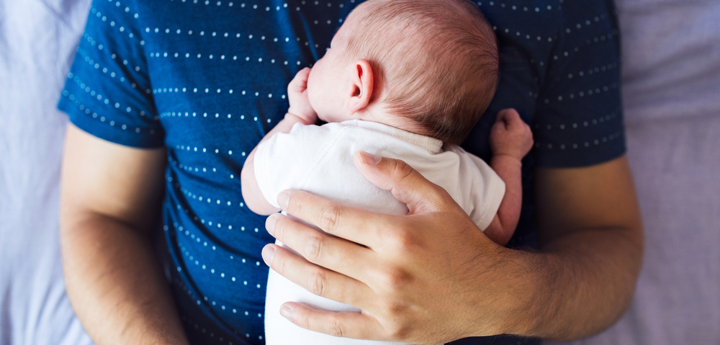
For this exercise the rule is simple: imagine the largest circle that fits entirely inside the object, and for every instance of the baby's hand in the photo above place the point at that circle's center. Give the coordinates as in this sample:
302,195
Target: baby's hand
298,97
510,135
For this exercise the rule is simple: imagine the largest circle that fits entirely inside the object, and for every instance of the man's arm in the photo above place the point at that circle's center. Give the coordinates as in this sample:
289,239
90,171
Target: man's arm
432,276
592,243
110,203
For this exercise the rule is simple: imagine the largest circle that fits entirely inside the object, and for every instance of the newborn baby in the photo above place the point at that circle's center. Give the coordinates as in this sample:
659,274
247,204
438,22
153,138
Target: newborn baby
406,79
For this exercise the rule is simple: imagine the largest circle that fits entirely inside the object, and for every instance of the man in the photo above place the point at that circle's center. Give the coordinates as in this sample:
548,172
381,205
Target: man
205,82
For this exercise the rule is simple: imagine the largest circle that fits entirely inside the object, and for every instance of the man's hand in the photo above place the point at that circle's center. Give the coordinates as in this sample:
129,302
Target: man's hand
426,278
298,98
510,135
433,277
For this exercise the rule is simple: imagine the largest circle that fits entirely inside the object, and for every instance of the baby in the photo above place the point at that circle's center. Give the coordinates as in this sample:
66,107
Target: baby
405,79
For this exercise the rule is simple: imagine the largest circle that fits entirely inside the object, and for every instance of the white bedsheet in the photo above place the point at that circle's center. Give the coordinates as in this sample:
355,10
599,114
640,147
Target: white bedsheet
37,42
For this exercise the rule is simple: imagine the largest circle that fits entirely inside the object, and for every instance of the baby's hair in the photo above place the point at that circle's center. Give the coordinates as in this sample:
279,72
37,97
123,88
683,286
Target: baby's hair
435,60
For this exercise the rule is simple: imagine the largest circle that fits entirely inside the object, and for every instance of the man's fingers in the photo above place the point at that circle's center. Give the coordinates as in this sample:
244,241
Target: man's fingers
355,325
321,249
317,280
351,223
404,182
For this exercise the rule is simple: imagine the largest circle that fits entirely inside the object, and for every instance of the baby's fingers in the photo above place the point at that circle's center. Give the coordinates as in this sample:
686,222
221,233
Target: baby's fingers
498,128
513,122
510,116
299,83
503,115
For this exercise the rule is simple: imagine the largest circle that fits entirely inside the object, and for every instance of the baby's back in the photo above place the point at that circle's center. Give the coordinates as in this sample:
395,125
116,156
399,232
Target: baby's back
320,160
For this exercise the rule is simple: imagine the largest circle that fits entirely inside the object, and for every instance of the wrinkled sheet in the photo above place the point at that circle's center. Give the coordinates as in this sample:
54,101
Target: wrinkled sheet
37,42
671,96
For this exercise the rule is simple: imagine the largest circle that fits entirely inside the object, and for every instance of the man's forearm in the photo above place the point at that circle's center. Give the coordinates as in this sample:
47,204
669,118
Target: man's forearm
116,285
591,240
582,282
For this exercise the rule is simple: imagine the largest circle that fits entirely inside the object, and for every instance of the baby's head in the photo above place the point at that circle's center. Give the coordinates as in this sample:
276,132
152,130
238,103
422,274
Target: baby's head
430,64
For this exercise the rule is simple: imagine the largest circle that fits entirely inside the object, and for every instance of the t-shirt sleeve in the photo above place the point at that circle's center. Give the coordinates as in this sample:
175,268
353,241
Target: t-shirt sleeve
487,193
286,160
107,92
578,118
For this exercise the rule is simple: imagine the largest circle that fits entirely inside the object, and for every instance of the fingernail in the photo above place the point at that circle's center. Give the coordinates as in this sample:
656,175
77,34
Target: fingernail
270,223
282,200
286,312
267,254
369,158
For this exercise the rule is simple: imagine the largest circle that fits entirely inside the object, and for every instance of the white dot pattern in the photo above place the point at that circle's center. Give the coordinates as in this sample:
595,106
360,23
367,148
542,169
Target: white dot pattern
574,79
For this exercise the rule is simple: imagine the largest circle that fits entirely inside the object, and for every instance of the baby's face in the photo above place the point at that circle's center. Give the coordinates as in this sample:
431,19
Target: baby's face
329,86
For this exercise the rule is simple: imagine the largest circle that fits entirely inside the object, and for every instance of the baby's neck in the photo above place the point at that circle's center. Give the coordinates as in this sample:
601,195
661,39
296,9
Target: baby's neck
388,118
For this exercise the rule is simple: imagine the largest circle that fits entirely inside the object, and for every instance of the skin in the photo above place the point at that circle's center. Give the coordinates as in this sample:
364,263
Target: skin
510,140
110,203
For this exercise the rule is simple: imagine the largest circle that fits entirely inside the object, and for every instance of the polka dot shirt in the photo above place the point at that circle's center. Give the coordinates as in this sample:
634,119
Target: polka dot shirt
207,80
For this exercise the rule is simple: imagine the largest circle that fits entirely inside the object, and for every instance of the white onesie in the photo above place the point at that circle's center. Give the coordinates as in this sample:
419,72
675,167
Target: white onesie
319,159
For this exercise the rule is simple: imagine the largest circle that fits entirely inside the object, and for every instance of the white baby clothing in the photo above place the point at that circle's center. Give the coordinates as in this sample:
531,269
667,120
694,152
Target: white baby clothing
319,159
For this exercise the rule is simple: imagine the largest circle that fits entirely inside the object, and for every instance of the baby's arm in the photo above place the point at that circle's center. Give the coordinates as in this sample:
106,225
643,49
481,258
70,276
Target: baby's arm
299,111
510,140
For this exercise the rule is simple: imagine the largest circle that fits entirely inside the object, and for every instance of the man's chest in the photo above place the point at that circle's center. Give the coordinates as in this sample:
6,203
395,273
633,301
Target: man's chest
219,69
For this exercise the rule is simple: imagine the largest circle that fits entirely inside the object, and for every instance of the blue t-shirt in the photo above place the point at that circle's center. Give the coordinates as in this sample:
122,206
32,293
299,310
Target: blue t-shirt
207,80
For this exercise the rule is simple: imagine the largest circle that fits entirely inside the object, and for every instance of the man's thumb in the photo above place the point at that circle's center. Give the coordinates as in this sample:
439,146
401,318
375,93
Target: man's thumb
405,183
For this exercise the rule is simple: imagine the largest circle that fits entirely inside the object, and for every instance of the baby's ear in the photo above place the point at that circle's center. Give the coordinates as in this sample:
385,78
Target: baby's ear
362,78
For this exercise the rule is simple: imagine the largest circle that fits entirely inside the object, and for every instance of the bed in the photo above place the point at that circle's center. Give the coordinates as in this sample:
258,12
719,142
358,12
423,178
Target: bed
37,40
671,89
